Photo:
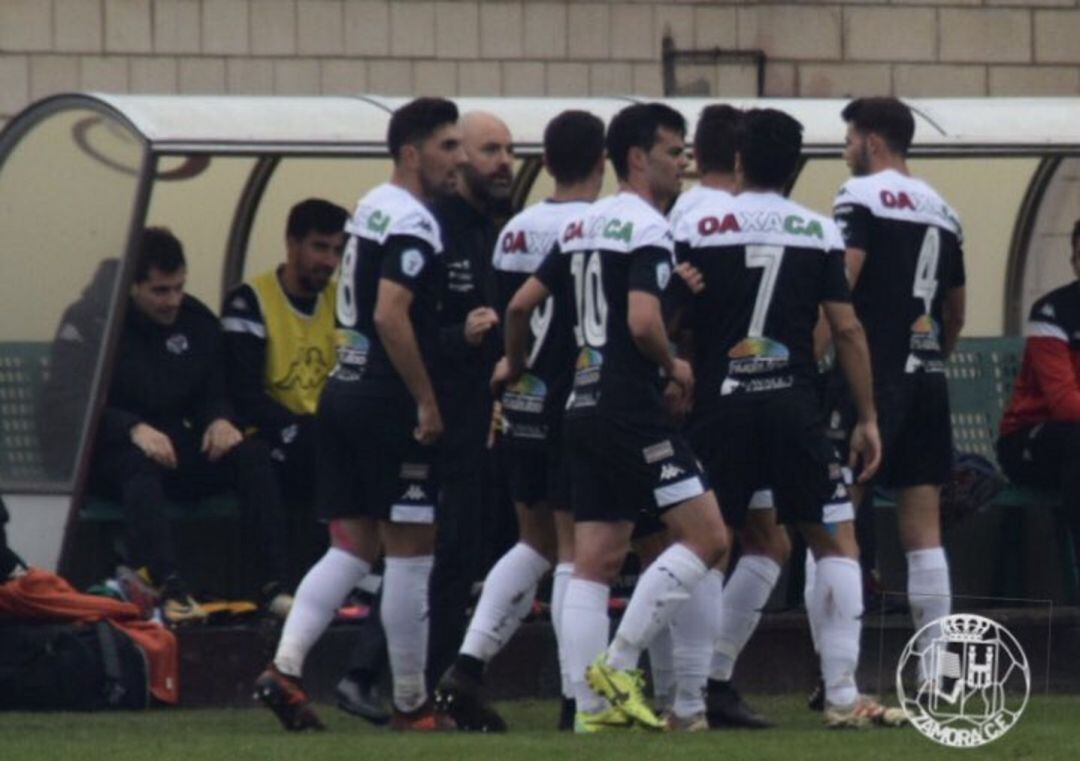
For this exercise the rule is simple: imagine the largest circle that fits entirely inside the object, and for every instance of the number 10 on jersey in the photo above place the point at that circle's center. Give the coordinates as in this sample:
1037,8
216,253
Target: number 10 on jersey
590,325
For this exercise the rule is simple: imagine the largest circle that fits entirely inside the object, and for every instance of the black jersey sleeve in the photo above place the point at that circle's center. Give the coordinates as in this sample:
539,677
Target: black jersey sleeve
650,270
834,284
854,221
553,271
407,261
506,285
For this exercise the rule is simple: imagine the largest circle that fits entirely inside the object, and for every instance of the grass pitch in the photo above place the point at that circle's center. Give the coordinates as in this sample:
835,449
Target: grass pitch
1049,729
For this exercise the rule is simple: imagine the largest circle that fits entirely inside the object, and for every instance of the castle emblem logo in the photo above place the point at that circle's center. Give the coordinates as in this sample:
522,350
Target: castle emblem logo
963,680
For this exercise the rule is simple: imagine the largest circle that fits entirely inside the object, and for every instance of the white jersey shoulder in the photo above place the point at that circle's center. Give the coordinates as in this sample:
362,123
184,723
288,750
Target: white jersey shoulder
621,223
892,195
691,199
391,210
765,219
530,235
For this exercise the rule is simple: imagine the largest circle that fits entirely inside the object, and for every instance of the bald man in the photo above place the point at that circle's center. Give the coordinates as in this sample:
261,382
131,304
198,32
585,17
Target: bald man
471,345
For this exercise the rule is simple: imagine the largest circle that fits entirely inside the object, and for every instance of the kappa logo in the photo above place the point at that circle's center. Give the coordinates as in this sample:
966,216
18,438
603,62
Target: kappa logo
415,494
670,471
1047,310
177,343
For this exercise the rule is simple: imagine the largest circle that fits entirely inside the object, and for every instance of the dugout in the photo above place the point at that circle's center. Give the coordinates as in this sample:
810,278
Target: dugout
82,174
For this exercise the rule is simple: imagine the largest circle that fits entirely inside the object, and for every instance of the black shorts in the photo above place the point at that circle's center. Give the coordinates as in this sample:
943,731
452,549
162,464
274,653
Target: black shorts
619,471
773,450
916,431
536,473
369,465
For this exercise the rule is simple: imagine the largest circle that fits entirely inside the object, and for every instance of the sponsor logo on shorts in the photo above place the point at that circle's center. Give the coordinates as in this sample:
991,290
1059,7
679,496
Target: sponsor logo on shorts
415,471
658,452
963,680
670,471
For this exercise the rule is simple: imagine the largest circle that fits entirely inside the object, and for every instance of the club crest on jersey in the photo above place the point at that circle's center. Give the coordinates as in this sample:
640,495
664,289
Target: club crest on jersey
412,261
760,221
663,275
177,343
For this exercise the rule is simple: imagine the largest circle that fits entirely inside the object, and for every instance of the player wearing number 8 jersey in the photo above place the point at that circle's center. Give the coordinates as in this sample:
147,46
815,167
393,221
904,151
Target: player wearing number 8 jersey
906,266
613,264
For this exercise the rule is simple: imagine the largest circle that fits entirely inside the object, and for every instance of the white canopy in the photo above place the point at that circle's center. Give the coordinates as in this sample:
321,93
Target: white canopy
330,124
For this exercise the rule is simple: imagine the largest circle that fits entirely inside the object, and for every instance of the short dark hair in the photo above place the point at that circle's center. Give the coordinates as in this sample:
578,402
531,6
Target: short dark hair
418,120
715,138
315,215
770,143
573,144
636,127
886,117
160,250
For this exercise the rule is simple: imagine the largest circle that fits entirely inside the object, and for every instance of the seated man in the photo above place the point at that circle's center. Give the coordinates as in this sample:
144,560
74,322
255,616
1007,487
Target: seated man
279,341
1040,432
166,429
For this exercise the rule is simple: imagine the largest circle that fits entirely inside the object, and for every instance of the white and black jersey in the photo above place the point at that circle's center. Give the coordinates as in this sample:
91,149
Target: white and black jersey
768,263
914,256
693,198
533,403
393,236
620,244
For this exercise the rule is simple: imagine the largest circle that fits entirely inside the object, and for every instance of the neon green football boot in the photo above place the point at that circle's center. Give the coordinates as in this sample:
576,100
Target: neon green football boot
623,689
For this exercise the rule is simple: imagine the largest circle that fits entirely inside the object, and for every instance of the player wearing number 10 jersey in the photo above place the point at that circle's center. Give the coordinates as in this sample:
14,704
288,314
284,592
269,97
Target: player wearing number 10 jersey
613,264
905,262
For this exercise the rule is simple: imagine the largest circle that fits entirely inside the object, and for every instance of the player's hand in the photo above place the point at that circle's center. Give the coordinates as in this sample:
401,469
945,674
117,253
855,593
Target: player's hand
154,444
865,450
677,402
477,324
219,438
692,276
498,424
502,375
429,424
683,375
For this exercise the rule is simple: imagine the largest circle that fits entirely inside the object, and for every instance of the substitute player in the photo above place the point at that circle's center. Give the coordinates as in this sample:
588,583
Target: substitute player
906,266
614,263
378,420
532,411
769,264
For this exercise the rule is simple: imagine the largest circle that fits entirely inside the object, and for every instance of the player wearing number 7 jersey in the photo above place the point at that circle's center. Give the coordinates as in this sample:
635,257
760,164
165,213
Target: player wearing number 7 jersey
906,267
613,264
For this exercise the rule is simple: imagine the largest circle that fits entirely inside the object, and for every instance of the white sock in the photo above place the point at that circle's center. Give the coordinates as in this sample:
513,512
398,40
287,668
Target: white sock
561,577
660,592
838,593
585,629
318,597
929,593
693,633
662,669
509,591
404,610
746,593
813,611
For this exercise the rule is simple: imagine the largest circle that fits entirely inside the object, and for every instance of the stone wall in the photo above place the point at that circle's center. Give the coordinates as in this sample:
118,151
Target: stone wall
533,47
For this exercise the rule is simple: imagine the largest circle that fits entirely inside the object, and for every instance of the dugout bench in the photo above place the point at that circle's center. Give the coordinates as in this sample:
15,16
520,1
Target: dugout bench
981,373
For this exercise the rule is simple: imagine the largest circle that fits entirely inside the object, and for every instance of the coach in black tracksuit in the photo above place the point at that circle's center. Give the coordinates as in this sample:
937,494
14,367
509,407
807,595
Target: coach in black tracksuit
470,347
166,427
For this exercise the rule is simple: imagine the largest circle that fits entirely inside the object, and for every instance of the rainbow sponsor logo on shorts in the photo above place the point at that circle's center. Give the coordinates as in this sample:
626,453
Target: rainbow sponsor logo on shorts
587,367
526,394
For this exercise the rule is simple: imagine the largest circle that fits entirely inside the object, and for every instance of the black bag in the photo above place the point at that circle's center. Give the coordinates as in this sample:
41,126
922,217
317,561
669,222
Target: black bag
70,667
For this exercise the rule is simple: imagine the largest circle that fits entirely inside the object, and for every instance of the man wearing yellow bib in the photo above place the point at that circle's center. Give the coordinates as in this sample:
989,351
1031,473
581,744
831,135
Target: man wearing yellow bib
279,333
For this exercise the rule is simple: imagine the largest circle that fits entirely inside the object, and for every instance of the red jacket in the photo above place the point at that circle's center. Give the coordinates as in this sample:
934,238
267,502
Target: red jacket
1048,388
40,595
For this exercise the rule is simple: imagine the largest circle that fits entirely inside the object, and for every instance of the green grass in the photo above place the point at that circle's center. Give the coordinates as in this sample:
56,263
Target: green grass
1047,730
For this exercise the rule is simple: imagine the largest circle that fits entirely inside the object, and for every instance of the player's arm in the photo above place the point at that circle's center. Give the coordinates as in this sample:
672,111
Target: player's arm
952,317
854,221
647,280
854,356
527,298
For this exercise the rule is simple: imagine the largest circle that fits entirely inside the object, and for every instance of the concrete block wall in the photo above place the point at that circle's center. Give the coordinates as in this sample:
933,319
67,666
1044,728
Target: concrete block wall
534,47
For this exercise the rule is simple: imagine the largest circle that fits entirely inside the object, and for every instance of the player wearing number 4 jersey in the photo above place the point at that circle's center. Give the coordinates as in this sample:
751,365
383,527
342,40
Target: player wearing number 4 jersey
614,263
377,423
906,266
531,432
